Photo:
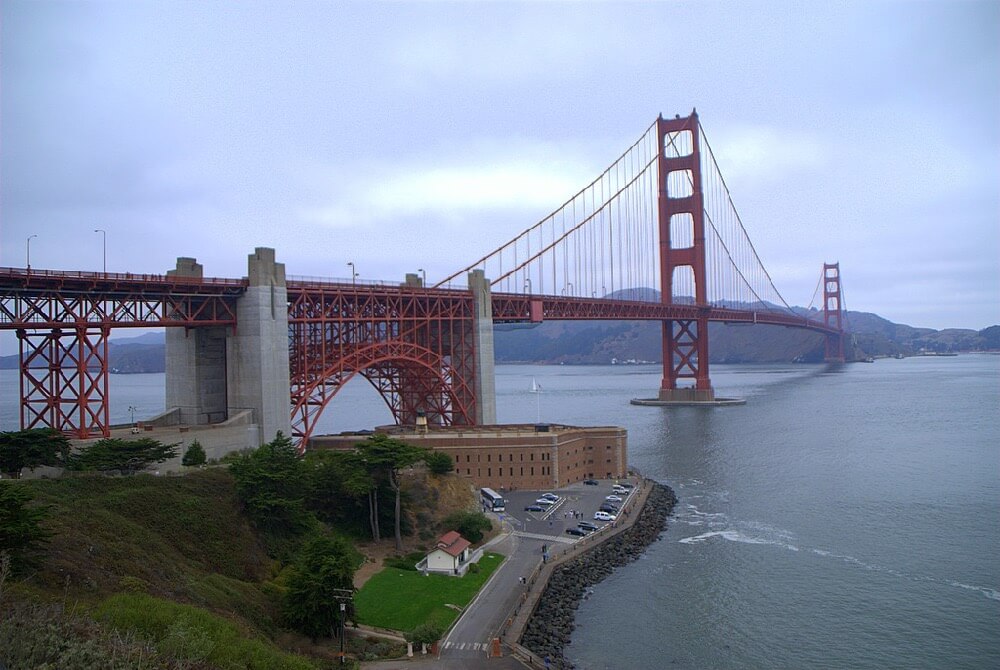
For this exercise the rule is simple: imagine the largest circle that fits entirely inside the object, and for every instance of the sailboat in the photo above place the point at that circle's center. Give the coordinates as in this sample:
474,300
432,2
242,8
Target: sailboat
537,390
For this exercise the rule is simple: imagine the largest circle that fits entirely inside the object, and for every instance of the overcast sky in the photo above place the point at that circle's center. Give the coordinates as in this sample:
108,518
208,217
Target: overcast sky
421,135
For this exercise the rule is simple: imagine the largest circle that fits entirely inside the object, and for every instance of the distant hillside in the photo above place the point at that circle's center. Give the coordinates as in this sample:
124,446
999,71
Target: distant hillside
132,355
598,342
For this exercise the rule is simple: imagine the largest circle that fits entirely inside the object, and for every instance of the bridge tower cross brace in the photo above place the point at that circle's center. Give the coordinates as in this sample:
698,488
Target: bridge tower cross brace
680,202
833,315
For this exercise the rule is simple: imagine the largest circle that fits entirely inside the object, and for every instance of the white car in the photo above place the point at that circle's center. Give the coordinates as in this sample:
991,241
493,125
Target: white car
550,496
613,498
619,489
604,516
544,502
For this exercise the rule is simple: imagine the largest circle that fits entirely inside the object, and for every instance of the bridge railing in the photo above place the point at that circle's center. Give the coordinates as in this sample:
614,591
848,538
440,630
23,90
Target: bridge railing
84,275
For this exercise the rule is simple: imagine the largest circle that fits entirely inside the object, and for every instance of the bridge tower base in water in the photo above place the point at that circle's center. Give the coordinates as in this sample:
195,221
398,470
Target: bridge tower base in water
681,210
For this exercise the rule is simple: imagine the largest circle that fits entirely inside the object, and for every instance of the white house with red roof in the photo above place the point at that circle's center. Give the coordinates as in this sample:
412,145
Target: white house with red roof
451,555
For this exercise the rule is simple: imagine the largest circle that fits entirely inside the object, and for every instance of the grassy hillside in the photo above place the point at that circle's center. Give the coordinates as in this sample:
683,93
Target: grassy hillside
168,562
177,537
167,572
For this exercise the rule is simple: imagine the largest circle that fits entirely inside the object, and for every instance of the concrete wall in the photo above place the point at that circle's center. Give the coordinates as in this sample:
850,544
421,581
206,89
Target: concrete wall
195,365
214,373
515,456
486,395
257,374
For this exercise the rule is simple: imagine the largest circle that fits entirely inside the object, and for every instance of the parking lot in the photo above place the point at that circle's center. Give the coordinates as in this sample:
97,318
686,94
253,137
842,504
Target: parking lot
577,502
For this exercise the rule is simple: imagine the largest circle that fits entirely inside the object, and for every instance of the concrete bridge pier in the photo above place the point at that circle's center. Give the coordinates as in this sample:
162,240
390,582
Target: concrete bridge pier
486,393
213,373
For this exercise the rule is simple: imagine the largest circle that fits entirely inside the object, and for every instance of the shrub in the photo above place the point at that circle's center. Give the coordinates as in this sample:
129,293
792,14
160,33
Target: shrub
21,534
125,456
472,525
439,463
195,455
408,562
427,633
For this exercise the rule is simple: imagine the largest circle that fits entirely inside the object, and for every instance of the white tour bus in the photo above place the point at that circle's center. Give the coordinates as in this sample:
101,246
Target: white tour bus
492,500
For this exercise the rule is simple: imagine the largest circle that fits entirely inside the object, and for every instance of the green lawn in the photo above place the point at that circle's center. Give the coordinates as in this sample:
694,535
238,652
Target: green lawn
404,599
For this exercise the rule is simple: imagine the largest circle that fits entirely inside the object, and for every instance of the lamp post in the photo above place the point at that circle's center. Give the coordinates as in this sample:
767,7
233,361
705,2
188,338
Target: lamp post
343,615
104,246
424,273
27,252
131,409
354,273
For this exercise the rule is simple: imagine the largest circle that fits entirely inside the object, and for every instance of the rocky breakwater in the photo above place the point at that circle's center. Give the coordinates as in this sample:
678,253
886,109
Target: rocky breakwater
549,629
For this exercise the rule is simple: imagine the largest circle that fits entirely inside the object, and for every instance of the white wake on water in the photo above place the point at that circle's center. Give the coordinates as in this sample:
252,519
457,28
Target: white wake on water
756,532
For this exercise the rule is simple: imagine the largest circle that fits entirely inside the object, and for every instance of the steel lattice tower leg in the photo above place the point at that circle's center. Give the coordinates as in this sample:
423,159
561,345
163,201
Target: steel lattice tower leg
680,202
64,380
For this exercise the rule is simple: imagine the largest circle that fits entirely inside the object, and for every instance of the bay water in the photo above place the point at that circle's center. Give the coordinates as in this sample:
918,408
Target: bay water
839,519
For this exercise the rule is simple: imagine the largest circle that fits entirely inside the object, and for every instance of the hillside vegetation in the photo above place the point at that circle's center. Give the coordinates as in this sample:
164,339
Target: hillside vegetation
171,572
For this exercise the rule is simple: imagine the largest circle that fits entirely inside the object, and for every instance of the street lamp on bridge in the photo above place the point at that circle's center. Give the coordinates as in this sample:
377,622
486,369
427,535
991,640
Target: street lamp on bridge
104,246
354,273
424,274
27,252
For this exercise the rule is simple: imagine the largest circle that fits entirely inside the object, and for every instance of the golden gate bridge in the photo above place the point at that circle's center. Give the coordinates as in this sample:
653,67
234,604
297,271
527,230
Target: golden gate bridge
655,237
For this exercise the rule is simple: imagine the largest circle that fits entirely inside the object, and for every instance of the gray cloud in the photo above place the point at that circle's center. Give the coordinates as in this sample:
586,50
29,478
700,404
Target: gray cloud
861,132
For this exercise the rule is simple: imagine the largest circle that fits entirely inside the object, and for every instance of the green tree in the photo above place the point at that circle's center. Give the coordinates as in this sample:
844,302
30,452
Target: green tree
342,490
472,525
388,457
31,448
321,578
125,456
271,482
195,455
439,463
425,633
21,533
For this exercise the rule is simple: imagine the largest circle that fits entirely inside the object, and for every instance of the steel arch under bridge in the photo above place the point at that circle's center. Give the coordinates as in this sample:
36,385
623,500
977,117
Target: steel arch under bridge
416,347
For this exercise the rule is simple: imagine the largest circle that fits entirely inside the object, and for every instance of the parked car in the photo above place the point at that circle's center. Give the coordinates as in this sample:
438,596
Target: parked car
590,482
544,502
586,525
613,498
604,516
617,488
627,485
579,532
550,496
533,508
609,508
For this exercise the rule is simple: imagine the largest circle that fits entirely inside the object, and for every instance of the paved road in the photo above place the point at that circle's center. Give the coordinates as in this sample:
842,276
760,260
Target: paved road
470,637
468,643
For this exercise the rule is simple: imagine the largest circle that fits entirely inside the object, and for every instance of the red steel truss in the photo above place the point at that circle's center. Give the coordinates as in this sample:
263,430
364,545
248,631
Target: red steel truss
63,319
415,346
